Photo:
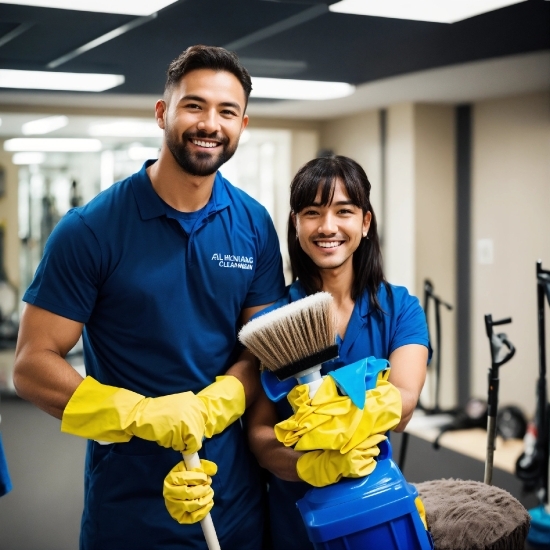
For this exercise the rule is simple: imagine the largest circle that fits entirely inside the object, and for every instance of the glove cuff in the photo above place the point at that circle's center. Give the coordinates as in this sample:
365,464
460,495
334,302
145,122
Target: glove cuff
98,411
225,402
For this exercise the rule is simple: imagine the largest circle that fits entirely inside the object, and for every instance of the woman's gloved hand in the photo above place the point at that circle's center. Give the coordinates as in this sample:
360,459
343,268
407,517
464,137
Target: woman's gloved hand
188,494
331,421
421,511
320,468
178,421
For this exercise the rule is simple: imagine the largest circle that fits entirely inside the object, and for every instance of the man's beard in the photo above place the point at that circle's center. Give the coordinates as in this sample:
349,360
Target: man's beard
199,164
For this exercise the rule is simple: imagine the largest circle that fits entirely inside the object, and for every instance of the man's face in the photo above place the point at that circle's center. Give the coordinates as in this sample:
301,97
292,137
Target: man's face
203,119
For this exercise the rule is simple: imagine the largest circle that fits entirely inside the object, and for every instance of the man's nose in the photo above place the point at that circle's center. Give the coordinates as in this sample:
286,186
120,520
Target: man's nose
328,225
209,122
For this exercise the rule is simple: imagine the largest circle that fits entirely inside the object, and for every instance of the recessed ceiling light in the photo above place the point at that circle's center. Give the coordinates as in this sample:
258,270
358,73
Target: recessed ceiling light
286,88
44,125
126,128
129,7
28,158
438,11
66,145
44,80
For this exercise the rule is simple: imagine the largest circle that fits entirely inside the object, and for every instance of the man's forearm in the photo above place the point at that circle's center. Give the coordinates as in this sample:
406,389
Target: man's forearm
246,370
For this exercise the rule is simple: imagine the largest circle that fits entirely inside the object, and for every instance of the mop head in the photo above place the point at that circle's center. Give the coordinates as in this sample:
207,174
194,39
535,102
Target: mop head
293,338
470,515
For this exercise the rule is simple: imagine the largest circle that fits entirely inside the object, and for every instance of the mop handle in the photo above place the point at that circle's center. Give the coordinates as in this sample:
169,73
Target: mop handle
193,461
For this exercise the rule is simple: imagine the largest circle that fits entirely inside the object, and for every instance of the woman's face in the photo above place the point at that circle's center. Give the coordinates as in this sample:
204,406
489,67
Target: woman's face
330,234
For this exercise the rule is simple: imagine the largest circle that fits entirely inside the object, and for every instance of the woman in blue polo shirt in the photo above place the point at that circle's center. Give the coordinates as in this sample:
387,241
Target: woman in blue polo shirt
334,246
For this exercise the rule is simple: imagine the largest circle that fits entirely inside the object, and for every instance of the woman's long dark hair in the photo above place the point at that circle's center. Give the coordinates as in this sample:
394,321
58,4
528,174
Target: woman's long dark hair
367,259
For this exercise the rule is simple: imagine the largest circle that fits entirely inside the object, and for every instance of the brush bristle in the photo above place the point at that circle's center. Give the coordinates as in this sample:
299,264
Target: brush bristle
293,332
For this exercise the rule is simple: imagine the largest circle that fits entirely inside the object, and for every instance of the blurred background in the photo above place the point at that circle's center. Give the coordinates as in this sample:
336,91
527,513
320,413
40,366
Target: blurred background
445,104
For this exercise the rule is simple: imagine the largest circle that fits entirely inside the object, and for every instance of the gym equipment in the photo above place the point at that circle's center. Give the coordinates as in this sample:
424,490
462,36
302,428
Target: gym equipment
496,341
532,465
430,297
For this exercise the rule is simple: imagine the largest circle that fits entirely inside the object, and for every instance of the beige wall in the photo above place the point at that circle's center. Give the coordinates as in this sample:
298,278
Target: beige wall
511,210
435,234
358,137
399,216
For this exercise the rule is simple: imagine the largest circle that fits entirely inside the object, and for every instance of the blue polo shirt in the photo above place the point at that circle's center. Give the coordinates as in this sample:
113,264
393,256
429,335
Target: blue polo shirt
160,307
369,333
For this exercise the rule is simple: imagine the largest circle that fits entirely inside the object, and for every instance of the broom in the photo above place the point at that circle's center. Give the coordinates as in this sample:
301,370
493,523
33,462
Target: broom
294,340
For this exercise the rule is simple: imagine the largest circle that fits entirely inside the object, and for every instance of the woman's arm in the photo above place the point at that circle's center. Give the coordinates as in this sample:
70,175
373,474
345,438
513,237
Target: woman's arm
408,373
270,453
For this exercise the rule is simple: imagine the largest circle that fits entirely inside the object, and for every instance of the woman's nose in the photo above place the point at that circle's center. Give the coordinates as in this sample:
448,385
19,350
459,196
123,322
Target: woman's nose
328,225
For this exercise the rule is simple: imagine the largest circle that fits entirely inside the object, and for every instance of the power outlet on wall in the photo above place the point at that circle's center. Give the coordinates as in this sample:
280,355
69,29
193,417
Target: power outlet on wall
485,251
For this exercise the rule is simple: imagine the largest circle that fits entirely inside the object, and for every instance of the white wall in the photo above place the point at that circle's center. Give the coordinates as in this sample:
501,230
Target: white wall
511,209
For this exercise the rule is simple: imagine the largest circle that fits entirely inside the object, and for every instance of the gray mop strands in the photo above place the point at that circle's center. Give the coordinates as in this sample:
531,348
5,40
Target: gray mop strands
295,339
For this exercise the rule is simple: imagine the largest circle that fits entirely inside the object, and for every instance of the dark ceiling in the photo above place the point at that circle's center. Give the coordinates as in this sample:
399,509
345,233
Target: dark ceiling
274,38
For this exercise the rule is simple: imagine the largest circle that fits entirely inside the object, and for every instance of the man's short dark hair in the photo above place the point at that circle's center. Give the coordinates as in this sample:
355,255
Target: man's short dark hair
208,57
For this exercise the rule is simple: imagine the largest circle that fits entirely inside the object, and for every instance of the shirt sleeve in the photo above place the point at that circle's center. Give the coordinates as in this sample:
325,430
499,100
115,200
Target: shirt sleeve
410,321
66,280
268,284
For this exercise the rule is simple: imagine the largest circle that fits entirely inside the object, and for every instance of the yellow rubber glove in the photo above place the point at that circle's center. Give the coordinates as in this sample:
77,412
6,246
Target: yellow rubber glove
421,510
224,401
331,421
320,468
179,421
188,494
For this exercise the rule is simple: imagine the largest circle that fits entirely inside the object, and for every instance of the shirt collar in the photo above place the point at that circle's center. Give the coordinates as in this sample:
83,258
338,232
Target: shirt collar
150,205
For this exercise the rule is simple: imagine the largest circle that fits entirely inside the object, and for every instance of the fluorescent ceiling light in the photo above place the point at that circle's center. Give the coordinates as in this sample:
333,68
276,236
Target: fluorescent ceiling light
28,158
438,11
44,125
43,80
285,88
126,128
66,145
130,7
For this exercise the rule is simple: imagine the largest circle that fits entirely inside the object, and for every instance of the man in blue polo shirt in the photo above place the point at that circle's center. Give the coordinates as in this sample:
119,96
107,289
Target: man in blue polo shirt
157,273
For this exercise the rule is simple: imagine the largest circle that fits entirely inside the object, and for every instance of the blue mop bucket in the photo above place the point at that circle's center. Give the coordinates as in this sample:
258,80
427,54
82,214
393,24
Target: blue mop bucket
374,512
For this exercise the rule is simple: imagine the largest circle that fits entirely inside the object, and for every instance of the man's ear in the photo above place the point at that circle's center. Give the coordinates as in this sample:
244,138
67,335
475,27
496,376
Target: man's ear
160,112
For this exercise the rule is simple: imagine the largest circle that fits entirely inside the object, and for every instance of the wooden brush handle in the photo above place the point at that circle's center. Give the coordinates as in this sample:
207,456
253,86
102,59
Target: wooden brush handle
193,461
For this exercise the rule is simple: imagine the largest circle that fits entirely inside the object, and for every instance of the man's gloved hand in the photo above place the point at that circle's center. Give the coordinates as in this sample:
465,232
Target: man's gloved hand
188,494
178,421
320,468
331,421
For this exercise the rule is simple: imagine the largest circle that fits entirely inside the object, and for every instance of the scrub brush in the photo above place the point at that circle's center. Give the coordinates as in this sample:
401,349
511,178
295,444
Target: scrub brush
294,340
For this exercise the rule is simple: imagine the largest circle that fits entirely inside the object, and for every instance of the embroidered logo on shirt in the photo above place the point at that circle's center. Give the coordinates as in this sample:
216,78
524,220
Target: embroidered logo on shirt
232,261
